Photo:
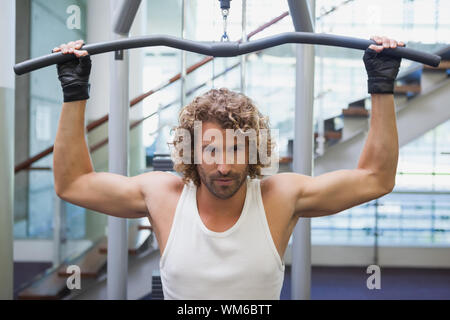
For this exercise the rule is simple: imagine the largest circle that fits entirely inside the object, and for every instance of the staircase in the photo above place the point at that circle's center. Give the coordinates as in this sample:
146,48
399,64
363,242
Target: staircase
52,284
422,100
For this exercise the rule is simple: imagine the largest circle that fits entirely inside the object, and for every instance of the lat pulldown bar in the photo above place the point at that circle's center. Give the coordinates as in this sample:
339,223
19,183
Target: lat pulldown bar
226,49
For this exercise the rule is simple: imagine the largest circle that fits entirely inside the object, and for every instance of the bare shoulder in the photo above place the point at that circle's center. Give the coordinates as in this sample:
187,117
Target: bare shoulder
279,196
159,183
281,191
285,185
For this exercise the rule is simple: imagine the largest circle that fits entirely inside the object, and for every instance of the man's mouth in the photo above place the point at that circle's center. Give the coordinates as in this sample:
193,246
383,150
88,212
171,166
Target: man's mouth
224,182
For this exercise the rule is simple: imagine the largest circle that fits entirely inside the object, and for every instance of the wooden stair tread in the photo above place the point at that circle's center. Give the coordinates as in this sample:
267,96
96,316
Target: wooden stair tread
355,112
50,287
53,285
407,88
330,135
285,160
143,227
445,64
333,135
91,263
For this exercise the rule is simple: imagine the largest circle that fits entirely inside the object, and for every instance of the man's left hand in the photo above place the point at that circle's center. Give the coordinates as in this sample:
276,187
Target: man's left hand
381,69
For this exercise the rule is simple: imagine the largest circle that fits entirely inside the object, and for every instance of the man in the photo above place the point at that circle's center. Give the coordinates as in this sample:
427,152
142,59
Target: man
221,233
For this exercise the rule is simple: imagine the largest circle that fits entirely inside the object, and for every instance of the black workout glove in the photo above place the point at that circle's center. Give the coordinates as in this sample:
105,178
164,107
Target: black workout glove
381,70
74,78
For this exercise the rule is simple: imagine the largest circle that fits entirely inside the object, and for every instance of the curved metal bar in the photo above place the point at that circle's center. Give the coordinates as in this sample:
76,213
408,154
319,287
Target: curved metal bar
226,49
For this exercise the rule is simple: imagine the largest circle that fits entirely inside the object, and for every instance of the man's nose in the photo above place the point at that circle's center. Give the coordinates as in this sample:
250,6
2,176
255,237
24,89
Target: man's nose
224,168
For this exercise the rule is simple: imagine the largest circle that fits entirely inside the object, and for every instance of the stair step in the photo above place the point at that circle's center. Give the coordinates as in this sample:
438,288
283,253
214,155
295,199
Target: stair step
355,112
157,290
407,88
53,285
330,135
285,160
358,104
444,65
143,227
50,287
91,263
162,162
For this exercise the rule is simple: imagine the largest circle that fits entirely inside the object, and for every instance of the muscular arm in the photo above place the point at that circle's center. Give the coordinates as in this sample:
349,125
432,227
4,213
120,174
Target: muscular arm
76,181
374,176
380,153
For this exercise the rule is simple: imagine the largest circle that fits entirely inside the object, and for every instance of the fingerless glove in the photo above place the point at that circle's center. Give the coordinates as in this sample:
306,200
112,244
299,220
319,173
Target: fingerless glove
74,78
381,70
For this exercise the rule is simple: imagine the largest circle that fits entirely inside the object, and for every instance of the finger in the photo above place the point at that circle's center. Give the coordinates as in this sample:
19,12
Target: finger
64,48
401,44
377,39
57,49
79,44
386,42
71,44
376,48
393,43
81,53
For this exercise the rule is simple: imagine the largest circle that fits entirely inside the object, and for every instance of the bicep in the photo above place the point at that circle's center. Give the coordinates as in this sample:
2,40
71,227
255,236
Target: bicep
108,193
335,191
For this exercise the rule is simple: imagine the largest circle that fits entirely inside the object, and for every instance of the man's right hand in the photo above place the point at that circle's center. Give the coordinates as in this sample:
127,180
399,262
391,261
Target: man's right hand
74,74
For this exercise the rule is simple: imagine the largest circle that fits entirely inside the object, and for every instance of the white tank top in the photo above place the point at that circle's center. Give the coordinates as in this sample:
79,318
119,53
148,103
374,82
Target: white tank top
239,263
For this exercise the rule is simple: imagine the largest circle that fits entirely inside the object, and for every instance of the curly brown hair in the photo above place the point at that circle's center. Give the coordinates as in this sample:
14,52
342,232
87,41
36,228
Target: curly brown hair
232,110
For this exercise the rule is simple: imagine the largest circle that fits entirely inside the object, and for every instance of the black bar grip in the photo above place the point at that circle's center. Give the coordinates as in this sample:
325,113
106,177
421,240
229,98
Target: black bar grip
225,49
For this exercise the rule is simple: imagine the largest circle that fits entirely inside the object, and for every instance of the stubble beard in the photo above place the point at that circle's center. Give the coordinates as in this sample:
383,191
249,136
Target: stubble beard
222,192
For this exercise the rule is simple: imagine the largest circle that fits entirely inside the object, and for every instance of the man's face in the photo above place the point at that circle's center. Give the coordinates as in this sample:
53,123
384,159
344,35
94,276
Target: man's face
222,178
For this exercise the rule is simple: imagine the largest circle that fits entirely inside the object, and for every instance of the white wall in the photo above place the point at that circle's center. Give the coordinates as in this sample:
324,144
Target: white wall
40,250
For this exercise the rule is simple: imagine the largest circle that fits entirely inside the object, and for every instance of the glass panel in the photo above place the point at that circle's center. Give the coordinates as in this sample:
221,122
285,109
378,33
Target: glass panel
52,23
417,211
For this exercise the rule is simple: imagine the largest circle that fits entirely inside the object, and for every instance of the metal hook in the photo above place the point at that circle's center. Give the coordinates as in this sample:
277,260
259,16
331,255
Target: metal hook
224,37
225,21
